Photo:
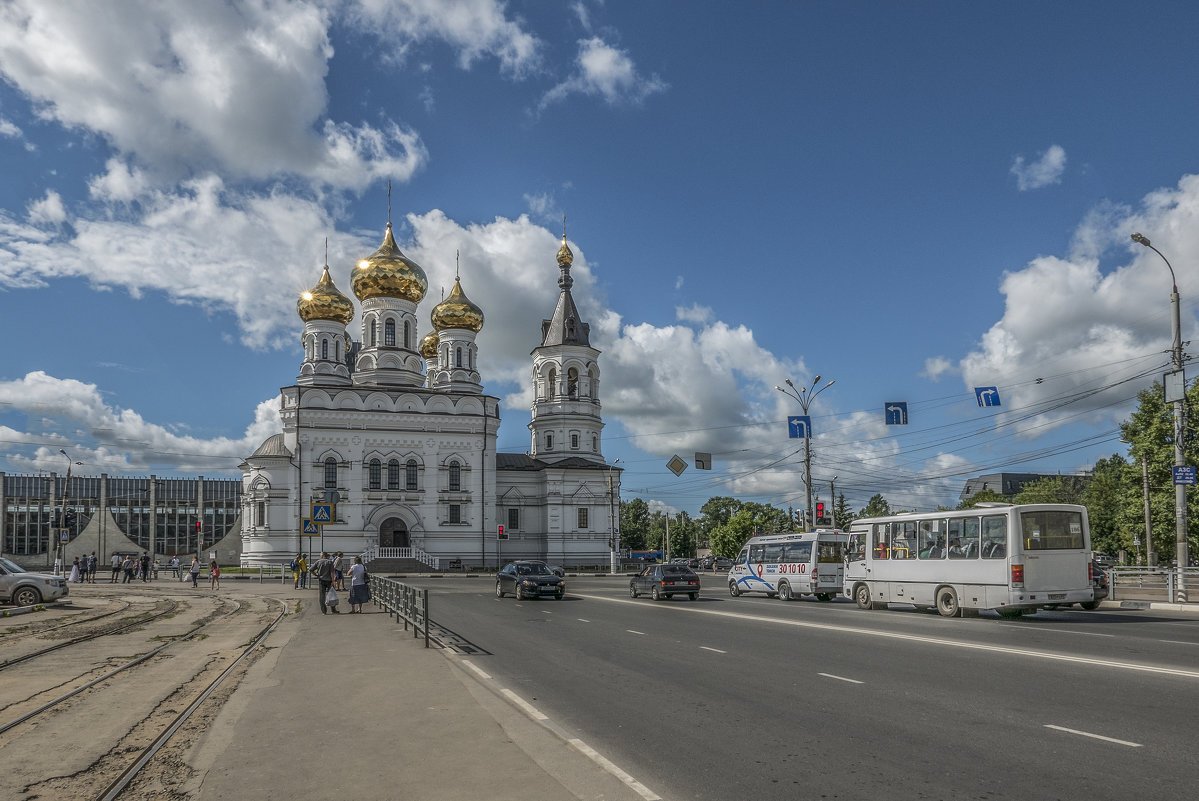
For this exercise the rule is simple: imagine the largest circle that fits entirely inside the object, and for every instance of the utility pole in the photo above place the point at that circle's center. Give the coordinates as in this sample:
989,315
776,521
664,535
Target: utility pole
805,396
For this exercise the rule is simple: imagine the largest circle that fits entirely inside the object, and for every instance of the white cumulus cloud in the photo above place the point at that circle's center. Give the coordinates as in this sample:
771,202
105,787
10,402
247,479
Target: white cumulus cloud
1044,171
48,209
605,71
936,367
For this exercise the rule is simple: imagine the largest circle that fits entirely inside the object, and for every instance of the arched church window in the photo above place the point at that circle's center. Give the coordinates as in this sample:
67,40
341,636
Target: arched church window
455,477
594,444
410,475
574,441
458,357
324,349
330,473
393,474
376,474
553,382
591,393
549,440
572,383
374,341
389,333
407,334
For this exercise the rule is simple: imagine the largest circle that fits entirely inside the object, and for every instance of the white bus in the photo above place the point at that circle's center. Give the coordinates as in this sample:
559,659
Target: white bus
1010,558
789,565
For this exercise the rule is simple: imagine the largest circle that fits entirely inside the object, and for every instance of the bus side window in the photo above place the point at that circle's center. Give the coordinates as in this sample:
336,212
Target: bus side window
757,553
880,545
970,531
994,541
741,557
774,554
903,544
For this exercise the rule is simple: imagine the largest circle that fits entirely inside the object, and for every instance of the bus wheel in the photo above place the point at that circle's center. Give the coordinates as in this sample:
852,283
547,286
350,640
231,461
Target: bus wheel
734,590
861,596
947,602
824,597
784,591
1011,613
1090,606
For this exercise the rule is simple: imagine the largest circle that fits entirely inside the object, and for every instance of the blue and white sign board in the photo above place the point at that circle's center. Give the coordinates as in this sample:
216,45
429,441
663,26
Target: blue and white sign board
896,413
987,396
310,527
1186,475
322,512
799,427
64,535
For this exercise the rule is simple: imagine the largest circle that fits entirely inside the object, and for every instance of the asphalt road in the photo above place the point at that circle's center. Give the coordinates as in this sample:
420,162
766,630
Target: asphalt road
755,698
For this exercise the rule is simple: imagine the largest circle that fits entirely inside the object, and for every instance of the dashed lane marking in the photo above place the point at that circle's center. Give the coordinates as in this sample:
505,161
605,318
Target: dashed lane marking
717,650
606,764
1179,642
530,710
1093,736
631,631
840,678
583,620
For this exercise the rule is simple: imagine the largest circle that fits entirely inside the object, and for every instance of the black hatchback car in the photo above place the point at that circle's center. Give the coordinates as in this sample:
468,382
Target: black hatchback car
663,581
529,580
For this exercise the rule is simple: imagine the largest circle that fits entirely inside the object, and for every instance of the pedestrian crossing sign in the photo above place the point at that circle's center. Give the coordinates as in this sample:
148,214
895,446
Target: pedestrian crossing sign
310,526
322,512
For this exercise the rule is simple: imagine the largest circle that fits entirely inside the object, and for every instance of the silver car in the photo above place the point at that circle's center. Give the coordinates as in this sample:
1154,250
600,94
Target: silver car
20,587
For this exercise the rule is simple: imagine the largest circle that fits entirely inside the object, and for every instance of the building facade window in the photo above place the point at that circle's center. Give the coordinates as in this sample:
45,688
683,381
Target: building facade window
407,334
330,473
373,339
376,474
410,475
574,441
583,517
455,513
337,350
553,383
458,357
572,383
260,513
324,349
455,477
549,440
513,518
594,444
393,474
389,333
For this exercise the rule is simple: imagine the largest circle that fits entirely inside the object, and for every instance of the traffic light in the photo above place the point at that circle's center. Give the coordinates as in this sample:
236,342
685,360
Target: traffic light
501,533
821,520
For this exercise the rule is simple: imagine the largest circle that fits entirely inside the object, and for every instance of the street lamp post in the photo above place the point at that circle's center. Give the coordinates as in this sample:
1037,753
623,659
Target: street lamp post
805,396
1180,490
614,529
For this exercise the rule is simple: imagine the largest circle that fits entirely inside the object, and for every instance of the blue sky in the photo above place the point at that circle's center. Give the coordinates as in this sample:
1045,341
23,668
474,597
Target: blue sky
912,199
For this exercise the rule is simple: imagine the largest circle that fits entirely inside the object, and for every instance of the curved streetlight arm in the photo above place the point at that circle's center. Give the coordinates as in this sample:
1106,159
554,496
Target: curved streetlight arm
1141,239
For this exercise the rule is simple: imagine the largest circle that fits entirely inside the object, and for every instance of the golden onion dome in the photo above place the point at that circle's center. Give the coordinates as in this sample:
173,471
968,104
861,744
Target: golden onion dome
325,302
428,345
457,311
566,256
388,273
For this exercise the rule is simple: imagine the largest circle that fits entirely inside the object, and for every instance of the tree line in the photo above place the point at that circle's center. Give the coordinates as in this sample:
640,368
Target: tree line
1115,492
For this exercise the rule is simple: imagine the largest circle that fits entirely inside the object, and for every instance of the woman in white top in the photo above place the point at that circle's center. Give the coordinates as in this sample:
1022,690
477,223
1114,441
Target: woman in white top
359,591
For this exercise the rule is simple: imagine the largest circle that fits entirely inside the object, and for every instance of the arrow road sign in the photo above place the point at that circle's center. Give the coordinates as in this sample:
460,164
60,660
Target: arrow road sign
799,427
987,396
703,461
896,413
310,527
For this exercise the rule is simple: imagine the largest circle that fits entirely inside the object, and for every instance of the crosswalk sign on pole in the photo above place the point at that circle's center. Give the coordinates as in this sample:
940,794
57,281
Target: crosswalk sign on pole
310,527
322,512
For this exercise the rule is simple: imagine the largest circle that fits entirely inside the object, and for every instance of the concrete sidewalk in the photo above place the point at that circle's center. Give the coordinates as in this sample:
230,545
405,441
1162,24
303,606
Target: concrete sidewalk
352,706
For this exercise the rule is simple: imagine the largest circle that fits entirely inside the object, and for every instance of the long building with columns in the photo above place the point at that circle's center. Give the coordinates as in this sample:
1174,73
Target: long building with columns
393,435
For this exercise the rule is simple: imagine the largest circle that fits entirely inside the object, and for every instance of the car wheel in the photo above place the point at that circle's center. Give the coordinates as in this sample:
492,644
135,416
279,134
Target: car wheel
861,596
26,596
734,590
656,594
824,597
518,593
560,595
499,593
633,590
784,593
693,596
947,602
1090,606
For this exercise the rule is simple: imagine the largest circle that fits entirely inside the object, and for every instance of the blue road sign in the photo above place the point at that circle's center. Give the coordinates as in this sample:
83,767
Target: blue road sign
310,527
987,396
799,427
896,413
322,512
1186,475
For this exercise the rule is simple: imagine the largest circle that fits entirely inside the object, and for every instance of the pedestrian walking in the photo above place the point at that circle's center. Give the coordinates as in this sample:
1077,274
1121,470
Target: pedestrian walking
194,571
116,567
145,566
337,574
359,589
294,567
127,566
304,571
214,575
323,570
92,564
74,577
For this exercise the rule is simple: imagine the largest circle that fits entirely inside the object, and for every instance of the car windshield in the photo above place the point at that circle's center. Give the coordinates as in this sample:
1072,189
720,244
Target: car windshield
12,567
533,570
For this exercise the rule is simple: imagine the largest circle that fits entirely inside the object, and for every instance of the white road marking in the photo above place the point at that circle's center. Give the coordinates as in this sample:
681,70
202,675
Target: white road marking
717,650
1179,642
895,635
840,678
475,668
529,709
642,633
606,764
583,620
546,611
1028,627
1094,736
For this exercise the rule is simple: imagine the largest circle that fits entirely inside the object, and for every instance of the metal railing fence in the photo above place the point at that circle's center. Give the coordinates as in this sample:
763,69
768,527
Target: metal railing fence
407,603
1151,583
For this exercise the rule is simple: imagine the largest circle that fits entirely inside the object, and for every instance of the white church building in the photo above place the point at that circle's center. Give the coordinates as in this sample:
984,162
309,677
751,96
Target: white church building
393,436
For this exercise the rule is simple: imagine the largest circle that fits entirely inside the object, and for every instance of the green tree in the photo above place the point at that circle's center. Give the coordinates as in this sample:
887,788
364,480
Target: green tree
634,524
843,513
684,532
877,506
1113,501
727,538
984,496
1051,489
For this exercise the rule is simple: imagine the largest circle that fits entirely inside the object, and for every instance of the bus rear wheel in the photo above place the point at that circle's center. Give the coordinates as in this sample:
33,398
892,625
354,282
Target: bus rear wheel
861,596
947,602
784,591
734,590
824,597
1090,606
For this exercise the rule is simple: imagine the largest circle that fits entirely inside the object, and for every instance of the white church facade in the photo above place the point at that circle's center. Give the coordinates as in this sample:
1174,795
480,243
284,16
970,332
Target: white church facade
393,434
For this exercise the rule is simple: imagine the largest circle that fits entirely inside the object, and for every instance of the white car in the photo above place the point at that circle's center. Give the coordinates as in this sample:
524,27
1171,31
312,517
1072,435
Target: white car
21,587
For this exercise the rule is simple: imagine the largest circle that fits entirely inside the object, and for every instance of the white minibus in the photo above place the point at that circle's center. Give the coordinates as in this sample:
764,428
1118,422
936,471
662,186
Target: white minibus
789,565
1009,558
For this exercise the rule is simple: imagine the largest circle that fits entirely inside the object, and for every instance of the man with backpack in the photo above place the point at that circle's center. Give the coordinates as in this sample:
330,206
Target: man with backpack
323,570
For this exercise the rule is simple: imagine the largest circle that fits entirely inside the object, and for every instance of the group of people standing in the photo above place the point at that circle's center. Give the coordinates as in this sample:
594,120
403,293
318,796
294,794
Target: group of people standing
83,569
330,579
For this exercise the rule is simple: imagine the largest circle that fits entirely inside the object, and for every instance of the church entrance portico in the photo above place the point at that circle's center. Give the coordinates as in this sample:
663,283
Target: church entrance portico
393,533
